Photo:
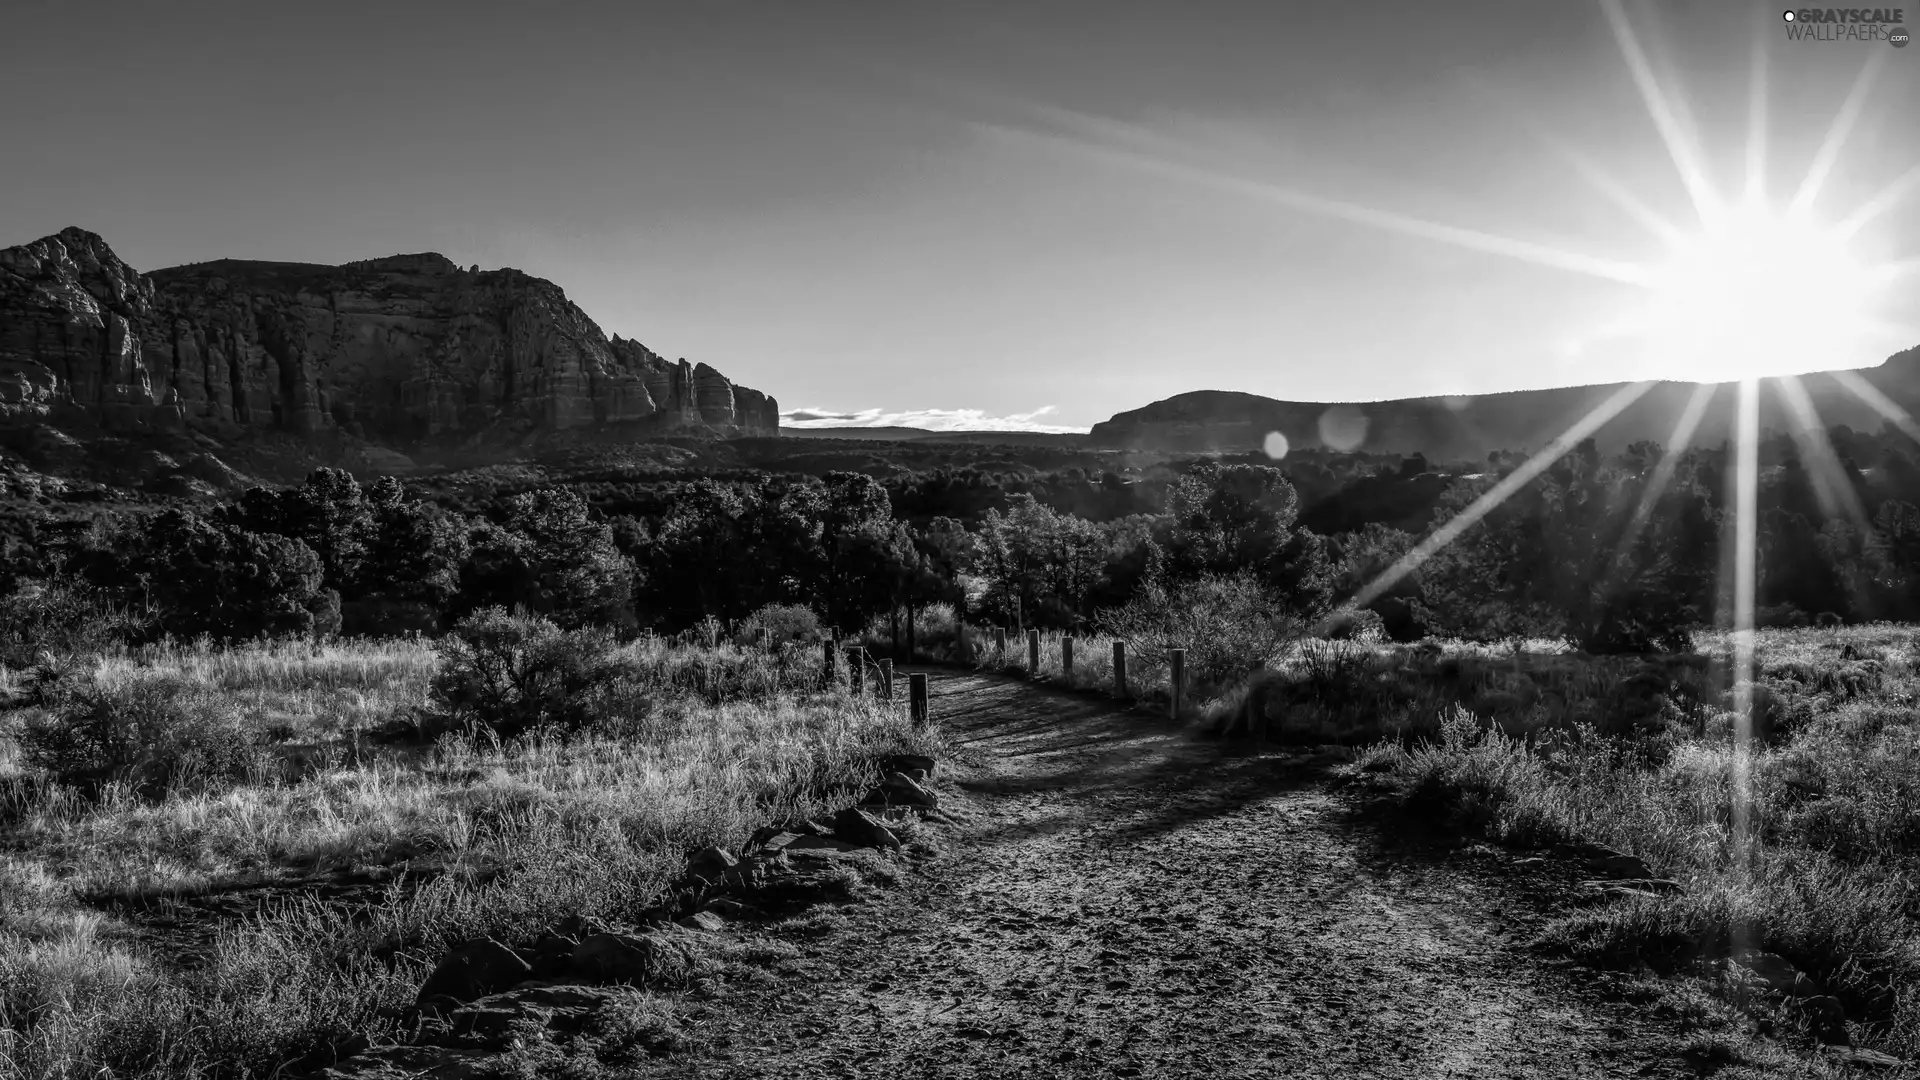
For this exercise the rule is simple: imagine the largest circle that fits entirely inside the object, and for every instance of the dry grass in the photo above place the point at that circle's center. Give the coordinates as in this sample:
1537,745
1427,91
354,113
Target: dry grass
1834,811
695,746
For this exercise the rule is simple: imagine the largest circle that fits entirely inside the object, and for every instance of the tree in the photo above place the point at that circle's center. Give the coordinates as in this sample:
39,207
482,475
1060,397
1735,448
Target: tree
570,566
213,578
329,513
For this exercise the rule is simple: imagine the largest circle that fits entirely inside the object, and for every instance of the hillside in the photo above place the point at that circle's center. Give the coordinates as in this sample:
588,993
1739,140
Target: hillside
400,354
1469,428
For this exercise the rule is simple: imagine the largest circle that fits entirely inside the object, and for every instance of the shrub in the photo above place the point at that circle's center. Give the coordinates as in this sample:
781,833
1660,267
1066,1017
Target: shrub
509,674
61,620
776,625
151,732
1230,626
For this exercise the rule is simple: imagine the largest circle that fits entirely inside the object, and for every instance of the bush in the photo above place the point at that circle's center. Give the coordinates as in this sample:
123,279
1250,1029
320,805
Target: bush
1363,625
776,625
1230,625
154,733
508,674
61,620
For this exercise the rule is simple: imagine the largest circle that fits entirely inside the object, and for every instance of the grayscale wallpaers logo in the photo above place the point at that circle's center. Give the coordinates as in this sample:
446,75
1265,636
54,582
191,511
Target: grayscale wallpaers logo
1848,24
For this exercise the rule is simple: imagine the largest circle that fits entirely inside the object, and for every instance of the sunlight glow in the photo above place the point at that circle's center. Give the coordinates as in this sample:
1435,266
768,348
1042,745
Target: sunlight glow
1758,293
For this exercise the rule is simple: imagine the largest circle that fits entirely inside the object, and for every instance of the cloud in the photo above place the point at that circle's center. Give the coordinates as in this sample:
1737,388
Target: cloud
926,420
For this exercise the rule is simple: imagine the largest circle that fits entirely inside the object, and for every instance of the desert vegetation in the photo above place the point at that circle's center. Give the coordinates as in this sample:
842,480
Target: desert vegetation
476,712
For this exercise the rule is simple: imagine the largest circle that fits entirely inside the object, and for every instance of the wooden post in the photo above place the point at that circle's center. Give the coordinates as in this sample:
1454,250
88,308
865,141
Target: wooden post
1066,661
826,671
1033,654
1120,670
1000,642
1178,659
886,679
917,698
856,670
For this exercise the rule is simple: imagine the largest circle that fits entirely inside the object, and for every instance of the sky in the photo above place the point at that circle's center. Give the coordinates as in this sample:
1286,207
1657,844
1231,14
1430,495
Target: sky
979,214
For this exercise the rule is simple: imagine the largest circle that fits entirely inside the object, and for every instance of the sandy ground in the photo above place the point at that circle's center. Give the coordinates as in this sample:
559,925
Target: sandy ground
1114,898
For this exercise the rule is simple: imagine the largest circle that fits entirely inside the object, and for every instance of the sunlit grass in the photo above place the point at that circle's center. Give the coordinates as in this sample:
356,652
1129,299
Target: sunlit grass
694,746
1832,804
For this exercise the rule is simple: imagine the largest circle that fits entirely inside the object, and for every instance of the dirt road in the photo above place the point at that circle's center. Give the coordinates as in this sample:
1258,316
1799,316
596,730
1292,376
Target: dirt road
1115,899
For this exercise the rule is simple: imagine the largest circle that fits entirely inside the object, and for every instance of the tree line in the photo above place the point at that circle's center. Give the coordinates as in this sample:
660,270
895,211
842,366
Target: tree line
1623,553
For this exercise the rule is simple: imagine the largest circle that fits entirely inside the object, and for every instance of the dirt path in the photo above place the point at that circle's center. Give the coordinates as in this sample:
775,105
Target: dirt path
1115,899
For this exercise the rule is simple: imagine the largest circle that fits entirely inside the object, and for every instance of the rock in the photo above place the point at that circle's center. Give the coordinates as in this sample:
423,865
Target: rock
564,1008
552,956
708,921
474,969
1861,1057
729,908
626,958
907,763
1647,886
1776,973
898,789
788,842
1612,864
859,827
712,863
410,1063
391,351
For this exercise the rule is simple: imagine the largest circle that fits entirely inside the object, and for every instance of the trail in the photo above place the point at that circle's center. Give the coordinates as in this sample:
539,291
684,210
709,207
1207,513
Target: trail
1115,898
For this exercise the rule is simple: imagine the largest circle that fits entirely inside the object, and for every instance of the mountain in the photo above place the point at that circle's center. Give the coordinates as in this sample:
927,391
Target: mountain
403,353
1464,428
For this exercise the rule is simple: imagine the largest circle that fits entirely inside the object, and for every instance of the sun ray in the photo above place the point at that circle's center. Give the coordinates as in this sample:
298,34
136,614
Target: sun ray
1757,121
1878,402
1882,201
1603,182
1745,560
1679,145
1830,484
1497,494
1663,470
1391,221
1837,132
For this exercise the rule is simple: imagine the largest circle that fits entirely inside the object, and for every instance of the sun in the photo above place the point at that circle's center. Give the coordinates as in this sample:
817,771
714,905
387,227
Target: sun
1758,291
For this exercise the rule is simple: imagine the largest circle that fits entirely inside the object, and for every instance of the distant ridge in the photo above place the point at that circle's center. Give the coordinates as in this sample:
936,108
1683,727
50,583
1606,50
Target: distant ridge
1460,428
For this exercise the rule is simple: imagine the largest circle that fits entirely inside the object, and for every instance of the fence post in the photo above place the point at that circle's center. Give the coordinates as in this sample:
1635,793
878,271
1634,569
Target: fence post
1000,643
917,698
856,670
886,680
1066,661
1177,658
1120,670
1033,654
827,668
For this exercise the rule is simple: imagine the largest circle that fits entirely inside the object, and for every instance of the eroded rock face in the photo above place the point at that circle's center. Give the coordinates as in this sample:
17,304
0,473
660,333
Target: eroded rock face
397,351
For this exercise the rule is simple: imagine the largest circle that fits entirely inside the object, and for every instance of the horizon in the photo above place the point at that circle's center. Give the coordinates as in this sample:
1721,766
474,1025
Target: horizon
996,219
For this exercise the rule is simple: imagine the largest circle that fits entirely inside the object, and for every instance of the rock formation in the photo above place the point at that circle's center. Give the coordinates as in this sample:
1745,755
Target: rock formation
1469,428
399,351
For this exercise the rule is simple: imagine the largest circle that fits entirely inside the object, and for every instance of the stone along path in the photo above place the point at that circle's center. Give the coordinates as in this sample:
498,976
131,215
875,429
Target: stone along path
1113,898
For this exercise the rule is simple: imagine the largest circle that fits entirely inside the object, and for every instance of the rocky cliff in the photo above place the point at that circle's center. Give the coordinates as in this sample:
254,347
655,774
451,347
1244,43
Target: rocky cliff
1468,428
403,351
